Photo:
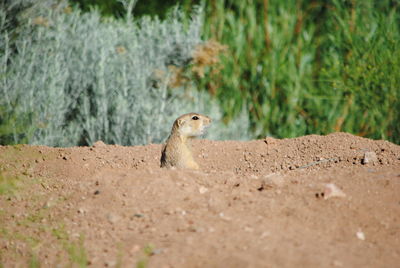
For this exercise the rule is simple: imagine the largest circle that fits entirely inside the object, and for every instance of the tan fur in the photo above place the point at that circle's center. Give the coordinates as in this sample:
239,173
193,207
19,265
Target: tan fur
177,152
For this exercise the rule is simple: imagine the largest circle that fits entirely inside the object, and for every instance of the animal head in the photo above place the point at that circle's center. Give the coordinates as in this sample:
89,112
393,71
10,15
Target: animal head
192,124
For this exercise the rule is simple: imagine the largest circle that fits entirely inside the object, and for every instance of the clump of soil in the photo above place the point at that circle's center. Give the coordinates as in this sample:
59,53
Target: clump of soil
304,202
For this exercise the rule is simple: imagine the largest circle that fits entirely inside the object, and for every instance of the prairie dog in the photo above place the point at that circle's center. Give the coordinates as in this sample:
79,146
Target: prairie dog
177,151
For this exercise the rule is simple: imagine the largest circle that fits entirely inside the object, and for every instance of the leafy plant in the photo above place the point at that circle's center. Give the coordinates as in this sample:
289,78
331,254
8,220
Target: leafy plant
72,78
304,67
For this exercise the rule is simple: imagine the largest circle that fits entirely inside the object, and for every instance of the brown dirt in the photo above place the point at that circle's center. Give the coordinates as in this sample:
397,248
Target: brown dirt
260,203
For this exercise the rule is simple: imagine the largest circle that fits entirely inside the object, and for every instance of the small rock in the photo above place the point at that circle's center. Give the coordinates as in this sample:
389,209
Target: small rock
331,190
224,217
275,179
203,190
369,157
48,204
96,192
112,218
360,235
81,211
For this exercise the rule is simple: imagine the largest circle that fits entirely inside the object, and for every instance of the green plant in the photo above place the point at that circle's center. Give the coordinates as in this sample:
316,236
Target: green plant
34,262
304,67
75,249
8,184
148,251
72,78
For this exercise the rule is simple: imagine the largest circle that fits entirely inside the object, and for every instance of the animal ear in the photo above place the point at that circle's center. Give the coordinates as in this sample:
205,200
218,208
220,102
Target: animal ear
180,122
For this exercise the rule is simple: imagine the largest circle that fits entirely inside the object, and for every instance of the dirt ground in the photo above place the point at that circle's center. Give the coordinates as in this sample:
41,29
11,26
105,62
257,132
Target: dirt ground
312,201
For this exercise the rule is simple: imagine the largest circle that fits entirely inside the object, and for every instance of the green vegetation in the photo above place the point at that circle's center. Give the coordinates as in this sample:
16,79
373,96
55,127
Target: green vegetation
34,261
72,78
76,250
31,230
116,7
306,67
11,182
289,68
8,184
148,251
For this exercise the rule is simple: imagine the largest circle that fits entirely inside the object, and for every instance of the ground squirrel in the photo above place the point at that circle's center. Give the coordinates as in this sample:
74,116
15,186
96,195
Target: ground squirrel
177,151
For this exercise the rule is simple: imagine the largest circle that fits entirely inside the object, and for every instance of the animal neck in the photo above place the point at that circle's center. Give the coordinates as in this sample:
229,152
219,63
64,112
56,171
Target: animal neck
184,139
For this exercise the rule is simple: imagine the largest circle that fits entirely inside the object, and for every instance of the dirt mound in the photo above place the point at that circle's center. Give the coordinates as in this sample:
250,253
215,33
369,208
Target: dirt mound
330,201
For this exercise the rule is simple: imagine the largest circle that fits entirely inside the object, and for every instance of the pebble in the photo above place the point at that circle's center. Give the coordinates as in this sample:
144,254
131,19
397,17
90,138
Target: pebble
331,190
224,217
369,157
360,235
203,190
275,179
49,203
112,218
81,211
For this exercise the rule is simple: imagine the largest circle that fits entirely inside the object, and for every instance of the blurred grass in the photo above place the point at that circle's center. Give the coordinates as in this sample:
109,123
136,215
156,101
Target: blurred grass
75,249
300,66
8,184
305,67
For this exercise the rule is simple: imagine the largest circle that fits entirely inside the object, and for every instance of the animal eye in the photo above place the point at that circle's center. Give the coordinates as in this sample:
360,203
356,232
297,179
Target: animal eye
195,117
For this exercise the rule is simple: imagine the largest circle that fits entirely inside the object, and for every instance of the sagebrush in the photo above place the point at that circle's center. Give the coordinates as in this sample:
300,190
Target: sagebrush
71,78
